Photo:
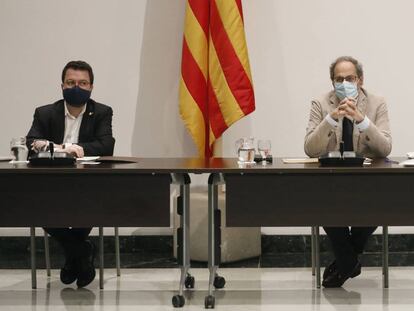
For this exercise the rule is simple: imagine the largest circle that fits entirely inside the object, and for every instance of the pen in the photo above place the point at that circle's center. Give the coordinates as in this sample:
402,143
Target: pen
391,161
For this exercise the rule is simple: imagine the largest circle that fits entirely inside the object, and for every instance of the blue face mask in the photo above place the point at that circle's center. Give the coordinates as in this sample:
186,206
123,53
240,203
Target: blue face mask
346,89
76,96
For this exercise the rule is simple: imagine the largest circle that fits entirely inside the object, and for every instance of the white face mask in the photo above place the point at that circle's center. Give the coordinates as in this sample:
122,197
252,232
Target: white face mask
346,90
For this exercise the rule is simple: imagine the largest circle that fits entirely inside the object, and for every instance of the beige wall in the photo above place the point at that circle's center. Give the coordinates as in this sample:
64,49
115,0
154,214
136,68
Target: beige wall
291,45
134,47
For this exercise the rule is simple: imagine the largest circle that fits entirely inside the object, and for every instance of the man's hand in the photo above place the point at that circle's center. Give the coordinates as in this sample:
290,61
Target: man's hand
75,150
351,110
39,145
347,108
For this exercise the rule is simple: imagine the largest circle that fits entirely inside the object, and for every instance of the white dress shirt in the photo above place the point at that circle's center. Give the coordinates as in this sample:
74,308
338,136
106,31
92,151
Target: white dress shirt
72,126
362,126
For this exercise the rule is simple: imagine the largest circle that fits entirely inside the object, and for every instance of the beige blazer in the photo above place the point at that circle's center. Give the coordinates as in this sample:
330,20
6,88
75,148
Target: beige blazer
374,142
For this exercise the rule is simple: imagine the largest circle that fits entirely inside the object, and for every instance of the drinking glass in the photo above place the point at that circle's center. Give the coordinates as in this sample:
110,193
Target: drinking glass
19,149
264,146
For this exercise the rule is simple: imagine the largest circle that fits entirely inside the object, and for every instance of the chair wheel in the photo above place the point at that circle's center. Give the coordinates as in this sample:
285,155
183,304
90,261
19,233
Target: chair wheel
189,282
209,302
178,301
219,282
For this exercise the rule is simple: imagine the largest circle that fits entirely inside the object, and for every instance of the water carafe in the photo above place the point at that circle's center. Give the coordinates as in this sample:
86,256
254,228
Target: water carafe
245,150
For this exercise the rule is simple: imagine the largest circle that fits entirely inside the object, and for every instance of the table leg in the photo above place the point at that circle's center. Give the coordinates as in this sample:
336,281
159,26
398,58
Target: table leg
101,258
317,258
183,238
47,252
117,252
214,239
33,256
385,256
313,249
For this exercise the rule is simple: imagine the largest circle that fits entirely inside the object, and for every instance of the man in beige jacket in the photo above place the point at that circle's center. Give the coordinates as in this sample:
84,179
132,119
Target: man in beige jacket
351,115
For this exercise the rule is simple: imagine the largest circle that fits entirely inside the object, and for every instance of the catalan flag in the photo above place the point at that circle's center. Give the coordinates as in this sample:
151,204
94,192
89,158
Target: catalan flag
216,86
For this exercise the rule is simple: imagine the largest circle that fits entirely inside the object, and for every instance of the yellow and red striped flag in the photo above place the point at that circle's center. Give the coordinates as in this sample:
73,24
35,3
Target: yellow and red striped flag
216,86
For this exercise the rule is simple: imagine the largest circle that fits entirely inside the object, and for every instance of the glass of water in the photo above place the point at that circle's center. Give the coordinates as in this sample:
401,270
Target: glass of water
19,149
264,146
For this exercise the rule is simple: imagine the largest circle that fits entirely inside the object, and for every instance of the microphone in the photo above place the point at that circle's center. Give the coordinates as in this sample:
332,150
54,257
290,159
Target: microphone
52,149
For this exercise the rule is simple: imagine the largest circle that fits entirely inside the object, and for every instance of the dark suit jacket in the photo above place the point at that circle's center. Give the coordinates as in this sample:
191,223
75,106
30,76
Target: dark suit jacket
95,133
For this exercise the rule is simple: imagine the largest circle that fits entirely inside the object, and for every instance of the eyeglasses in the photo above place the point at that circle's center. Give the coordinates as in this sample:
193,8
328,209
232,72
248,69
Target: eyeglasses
72,83
350,79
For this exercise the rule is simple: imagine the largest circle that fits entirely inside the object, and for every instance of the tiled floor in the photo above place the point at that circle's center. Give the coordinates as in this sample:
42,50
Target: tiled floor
246,289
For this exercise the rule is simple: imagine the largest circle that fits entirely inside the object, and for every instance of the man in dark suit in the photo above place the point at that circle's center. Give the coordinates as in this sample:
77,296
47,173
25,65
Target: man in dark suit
79,126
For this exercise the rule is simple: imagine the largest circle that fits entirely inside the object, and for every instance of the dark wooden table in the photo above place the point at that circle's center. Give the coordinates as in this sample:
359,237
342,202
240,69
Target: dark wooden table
281,194
120,192
83,196
308,195
138,193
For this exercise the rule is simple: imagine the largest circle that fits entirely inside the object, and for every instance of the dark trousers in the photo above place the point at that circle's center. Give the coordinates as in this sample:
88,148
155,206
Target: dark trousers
347,243
71,239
